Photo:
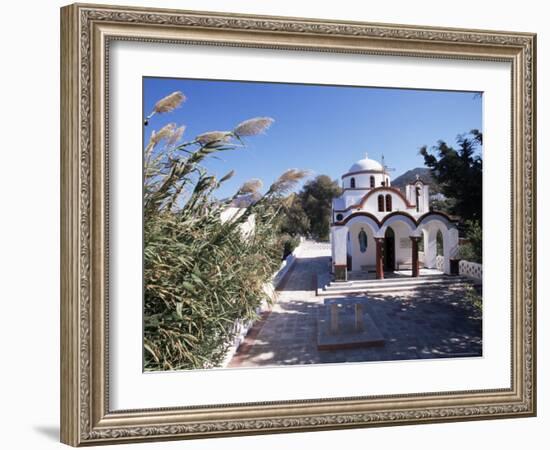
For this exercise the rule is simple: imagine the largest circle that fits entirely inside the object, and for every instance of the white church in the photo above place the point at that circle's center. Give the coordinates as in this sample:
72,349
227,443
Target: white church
377,228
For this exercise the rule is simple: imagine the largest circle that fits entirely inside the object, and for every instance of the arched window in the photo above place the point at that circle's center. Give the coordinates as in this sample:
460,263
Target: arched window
387,181
363,241
418,191
381,203
352,183
372,181
388,202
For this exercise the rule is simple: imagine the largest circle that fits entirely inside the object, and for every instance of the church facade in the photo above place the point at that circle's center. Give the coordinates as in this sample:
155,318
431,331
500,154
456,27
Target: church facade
376,227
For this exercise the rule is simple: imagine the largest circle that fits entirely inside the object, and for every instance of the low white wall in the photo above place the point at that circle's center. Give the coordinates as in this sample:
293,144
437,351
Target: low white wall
232,212
241,327
287,264
470,269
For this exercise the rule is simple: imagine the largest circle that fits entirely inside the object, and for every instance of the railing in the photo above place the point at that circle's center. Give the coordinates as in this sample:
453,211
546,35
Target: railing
470,269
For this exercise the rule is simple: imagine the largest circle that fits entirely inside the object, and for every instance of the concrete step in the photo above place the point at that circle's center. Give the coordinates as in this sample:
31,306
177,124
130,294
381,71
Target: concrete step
394,291
336,285
391,286
395,278
389,290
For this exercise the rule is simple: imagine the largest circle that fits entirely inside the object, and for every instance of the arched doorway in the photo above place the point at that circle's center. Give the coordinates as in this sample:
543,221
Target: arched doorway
389,249
439,243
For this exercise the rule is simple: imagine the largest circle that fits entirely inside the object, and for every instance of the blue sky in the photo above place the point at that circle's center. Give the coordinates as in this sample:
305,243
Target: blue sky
324,129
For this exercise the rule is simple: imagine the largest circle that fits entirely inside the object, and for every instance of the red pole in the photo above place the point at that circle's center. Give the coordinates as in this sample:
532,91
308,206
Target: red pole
379,260
415,267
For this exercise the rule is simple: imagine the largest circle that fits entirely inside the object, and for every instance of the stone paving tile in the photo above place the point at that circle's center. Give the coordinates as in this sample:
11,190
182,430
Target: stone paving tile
421,324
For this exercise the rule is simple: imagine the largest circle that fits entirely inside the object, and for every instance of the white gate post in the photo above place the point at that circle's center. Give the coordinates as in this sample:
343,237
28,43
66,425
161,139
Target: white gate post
340,253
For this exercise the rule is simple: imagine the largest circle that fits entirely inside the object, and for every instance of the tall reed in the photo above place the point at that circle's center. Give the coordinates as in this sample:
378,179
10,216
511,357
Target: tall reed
201,271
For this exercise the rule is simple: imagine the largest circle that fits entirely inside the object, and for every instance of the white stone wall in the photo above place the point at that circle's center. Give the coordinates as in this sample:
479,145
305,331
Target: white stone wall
430,249
439,262
232,212
371,205
424,199
286,264
359,259
362,180
470,269
339,242
352,197
403,244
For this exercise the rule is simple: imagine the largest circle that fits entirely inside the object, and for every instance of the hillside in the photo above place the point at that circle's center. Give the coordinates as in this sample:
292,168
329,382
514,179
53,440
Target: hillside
410,175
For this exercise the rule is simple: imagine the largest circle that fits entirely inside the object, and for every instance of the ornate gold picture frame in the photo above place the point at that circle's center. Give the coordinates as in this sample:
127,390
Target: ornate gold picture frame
87,32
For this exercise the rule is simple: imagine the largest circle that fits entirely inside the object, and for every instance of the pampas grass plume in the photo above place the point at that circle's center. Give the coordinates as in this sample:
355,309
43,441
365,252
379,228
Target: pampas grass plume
166,104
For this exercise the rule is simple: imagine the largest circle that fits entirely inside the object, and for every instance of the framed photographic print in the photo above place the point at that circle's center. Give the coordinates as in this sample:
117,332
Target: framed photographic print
277,224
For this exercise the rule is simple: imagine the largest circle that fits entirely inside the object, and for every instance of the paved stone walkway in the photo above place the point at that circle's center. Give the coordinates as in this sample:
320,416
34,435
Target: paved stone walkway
415,324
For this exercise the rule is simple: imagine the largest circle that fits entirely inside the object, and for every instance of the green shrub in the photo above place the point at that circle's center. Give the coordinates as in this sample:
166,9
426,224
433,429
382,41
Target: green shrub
474,299
200,276
202,273
472,250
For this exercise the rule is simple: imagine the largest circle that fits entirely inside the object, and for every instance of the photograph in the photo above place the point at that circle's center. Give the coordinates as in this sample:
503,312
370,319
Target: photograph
293,224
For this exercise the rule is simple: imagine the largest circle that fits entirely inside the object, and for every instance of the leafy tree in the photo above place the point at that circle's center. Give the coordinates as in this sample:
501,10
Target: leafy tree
459,172
316,199
295,221
473,249
446,205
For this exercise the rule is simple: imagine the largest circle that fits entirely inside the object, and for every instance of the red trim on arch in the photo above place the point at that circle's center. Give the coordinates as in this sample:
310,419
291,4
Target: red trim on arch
375,190
398,213
382,189
357,214
417,222
451,219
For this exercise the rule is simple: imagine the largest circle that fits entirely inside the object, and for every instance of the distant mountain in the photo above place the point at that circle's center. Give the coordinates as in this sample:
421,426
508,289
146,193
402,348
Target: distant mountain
410,175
